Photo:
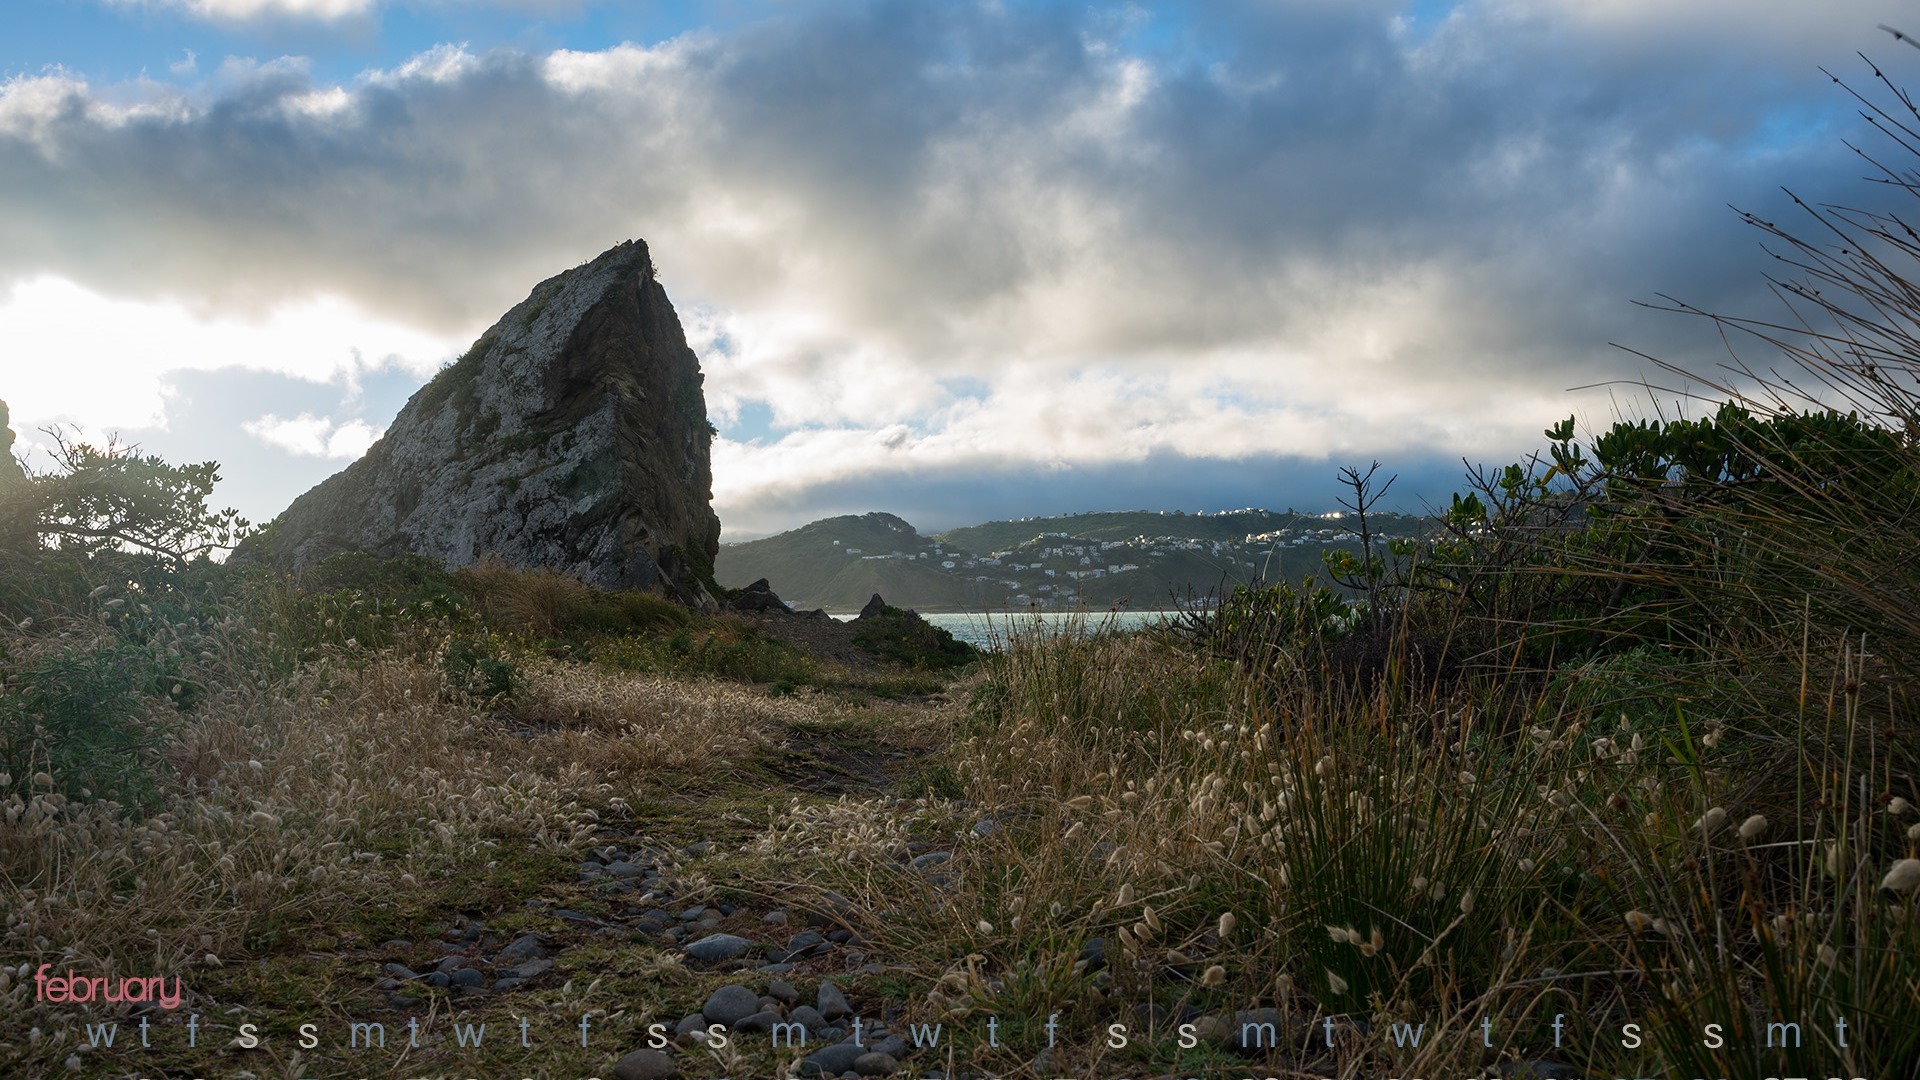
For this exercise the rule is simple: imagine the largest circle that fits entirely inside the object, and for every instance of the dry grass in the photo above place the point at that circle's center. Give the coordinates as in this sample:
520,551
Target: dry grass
651,721
308,811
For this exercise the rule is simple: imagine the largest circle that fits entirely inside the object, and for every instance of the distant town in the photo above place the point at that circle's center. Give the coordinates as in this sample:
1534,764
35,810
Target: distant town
1139,560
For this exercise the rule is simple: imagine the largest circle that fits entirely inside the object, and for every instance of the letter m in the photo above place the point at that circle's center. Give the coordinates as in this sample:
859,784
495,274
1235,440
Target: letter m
355,1031
1265,1037
1782,1030
787,1033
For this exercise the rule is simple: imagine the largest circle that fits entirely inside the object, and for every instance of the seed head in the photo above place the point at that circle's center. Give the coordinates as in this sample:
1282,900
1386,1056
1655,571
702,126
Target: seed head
1336,984
1902,877
1753,827
1216,976
1712,821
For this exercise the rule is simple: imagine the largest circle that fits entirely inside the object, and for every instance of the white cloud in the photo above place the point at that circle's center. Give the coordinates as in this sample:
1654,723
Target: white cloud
240,10
314,436
75,356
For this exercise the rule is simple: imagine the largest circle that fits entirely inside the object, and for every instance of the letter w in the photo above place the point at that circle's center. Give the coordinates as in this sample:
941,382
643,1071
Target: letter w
469,1034
924,1036
102,1034
1404,1032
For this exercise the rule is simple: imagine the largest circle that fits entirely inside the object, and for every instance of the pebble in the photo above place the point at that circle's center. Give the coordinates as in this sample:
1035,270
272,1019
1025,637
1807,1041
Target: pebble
644,1064
528,970
761,1021
893,1046
730,1004
808,1015
699,848
875,1064
832,1003
831,1060
690,1024
716,947
468,977
804,944
931,859
521,949
400,971
692,913
776,917
782,991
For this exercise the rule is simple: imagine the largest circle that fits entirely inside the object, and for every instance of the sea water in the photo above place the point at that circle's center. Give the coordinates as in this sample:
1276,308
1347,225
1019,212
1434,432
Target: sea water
987,630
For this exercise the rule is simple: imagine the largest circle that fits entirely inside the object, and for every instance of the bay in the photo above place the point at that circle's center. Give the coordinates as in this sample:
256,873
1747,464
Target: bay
987,630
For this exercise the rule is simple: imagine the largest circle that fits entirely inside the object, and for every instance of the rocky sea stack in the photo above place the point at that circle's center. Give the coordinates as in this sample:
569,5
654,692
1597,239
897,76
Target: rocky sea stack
573,436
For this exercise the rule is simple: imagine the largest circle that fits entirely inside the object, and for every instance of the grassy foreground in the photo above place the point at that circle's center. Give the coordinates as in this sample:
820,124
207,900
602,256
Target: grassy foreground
1258,845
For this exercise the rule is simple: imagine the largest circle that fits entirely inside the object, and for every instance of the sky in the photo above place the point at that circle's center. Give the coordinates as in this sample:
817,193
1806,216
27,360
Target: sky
952,261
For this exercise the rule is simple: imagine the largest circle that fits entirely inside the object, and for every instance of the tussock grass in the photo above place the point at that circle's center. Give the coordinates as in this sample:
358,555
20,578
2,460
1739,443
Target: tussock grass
1347,855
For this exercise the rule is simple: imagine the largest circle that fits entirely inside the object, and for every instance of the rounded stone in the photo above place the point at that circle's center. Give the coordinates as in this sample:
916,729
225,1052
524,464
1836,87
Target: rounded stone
717,947
730,1004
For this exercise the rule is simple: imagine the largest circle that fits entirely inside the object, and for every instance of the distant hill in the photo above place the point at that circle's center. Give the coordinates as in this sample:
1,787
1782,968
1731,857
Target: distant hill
1135,559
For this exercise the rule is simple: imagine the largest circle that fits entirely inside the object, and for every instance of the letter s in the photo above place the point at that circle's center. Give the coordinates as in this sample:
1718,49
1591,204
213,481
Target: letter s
657,1036
1630,1032
717,1036
1189,1036
309,1036
248,1040
1713,1039
1116,1036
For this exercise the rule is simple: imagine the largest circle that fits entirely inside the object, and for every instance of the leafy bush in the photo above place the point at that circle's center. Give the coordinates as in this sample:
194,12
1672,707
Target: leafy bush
80,716
478,669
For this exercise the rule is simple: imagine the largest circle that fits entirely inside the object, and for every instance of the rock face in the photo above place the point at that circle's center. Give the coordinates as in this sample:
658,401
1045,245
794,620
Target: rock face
573,436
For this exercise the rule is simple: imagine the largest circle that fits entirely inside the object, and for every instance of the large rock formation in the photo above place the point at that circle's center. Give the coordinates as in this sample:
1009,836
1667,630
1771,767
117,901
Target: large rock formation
573,435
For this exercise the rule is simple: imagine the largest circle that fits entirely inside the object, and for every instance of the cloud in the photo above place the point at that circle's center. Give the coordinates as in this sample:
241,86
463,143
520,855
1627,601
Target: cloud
1244,232
81,357
241,10
314,436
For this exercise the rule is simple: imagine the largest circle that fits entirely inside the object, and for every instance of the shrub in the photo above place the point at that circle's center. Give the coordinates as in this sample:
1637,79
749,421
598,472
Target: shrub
478,670
81,716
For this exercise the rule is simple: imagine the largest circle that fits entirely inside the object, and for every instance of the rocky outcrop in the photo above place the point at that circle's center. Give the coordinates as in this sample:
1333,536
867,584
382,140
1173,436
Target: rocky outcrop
758,596
572,436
